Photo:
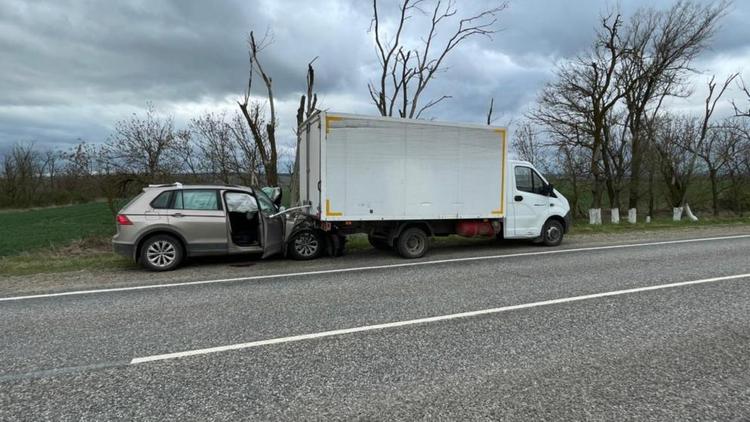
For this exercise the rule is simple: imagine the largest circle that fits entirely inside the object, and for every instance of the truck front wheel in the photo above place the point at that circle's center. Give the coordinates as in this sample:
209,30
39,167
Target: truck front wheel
552,233
412,243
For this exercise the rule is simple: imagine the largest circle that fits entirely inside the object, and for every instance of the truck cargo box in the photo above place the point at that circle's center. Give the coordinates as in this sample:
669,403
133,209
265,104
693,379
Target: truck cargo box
362,168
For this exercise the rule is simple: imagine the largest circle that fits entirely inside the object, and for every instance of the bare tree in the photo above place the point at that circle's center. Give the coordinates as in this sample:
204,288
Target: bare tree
528,145
710,146
660,48
21,174
308,103
263,129
142,145
250,166
214,139
405,72
581,99
740,111
680,143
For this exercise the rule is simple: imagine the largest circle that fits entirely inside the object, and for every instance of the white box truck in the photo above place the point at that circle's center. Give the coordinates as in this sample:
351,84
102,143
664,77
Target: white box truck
403,181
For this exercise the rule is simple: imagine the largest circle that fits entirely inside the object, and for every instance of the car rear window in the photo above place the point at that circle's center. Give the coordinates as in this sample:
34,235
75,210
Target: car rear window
162,201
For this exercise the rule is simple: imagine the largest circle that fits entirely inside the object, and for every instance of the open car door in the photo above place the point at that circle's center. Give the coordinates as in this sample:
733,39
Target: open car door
272,228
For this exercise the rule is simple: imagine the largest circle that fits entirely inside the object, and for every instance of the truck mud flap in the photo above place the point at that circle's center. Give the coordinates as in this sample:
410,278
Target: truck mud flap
335,245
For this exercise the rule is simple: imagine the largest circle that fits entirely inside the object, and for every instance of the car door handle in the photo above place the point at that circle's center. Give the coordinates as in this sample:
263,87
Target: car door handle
539,205
178,215
518,198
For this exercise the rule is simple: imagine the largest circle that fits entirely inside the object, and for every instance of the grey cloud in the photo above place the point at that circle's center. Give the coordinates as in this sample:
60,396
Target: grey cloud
72,68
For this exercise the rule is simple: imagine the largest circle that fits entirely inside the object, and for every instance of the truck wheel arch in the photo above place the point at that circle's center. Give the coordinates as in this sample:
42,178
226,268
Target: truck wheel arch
425,226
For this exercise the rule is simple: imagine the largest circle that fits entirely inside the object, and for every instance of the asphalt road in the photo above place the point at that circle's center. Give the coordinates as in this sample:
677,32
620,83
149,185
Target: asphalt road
673,353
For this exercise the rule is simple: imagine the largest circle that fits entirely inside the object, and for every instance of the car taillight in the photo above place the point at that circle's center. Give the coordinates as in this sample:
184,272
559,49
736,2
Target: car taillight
123,220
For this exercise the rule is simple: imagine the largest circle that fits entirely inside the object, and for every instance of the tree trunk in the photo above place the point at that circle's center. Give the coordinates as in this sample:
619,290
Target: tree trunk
615,215
595,216
714,191
676,213
651,192
689,212
635,172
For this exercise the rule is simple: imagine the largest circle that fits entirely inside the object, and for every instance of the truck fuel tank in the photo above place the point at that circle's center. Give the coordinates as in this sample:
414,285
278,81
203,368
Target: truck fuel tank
475,228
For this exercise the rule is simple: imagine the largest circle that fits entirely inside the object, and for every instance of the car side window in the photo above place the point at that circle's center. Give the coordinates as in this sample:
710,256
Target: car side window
196,199
240,202
162,201
524,181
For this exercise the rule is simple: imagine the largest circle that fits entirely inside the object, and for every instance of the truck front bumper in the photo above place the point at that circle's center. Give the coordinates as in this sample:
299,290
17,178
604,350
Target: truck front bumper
568,221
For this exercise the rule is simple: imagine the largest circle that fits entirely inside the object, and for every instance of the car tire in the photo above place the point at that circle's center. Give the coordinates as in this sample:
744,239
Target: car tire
552,233
412,243
305,245
378,243
161,253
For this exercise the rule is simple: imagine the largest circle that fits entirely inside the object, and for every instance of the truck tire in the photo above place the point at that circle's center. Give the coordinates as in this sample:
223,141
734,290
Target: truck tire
412,243
304,245
552,233
378,243
336,245
161,253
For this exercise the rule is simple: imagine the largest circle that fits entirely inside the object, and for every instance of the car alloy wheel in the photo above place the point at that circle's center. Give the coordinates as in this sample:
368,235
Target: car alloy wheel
306,244
161,254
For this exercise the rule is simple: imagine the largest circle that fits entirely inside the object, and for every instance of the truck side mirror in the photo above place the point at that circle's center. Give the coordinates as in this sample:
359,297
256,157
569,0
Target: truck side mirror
549,189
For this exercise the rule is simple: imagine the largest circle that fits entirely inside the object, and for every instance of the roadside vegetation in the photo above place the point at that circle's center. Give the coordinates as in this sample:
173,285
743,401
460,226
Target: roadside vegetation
77,237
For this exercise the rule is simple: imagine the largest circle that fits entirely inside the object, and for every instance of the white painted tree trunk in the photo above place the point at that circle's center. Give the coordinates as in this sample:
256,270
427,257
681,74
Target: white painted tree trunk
689,213
632,215
676,213
614,215
648,219
595,216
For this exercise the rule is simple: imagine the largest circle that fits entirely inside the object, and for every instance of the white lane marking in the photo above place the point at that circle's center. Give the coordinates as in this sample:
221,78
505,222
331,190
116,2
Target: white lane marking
369,268
365,328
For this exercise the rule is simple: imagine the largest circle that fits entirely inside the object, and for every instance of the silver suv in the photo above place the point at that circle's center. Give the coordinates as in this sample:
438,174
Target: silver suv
167,223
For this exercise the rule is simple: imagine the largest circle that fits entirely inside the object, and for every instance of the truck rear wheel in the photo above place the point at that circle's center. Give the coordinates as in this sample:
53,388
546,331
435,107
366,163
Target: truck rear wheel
412,243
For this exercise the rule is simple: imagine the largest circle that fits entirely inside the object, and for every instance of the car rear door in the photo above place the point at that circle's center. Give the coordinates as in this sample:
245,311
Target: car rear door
198,215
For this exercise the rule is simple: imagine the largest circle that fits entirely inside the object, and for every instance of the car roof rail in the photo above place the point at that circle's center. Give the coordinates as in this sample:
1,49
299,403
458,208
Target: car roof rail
164,185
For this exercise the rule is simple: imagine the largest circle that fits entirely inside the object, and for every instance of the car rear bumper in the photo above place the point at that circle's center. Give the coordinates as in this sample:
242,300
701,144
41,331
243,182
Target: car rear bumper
124,249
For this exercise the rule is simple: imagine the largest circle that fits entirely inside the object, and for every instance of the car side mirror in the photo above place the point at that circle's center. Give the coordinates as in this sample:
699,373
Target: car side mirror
549,189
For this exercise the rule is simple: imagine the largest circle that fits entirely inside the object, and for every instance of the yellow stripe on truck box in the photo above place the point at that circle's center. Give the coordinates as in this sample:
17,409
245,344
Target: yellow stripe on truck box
501,210
330,213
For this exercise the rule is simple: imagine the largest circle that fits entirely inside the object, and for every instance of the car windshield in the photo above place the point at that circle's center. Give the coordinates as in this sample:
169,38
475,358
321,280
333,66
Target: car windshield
266,204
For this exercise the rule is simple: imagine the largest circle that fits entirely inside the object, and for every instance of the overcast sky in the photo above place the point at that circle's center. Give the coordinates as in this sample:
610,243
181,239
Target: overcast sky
71,69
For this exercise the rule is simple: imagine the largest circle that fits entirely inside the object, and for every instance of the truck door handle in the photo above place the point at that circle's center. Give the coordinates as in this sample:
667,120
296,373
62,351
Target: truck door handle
539,205
518,198
178,215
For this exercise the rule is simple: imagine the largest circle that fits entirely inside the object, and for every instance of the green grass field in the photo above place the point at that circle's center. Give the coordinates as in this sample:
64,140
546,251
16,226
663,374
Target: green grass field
77,237
23,231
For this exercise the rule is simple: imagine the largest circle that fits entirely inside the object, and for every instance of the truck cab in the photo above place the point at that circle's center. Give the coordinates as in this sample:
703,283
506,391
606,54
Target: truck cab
533,202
